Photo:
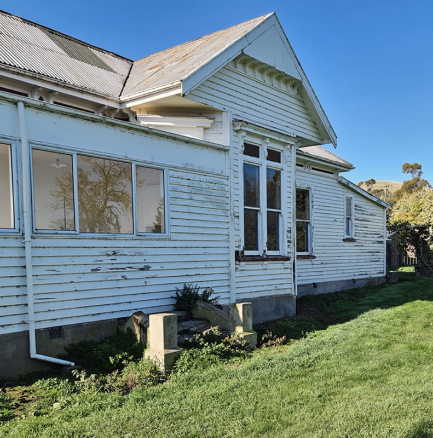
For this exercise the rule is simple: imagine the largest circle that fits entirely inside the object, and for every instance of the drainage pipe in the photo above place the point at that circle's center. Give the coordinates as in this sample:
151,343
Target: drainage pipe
27,223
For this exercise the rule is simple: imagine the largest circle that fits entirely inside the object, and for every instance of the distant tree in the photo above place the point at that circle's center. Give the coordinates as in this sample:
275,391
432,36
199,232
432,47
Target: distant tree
369,184
416,183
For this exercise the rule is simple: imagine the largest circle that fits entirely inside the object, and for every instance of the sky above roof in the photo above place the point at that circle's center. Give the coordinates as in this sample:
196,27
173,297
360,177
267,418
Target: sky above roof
368,61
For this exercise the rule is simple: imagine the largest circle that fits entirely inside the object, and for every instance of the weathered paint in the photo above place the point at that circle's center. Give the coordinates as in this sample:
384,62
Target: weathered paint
336,259
79,278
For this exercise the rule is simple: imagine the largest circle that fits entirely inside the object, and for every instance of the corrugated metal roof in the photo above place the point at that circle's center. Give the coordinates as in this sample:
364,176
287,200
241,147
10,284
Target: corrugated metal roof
319,152
173,65
36,49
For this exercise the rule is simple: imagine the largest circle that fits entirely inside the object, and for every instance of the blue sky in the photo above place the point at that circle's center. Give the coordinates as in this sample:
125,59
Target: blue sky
369,61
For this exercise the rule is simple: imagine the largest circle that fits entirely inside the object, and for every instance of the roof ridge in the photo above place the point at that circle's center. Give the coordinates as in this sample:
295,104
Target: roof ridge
258,19
64,35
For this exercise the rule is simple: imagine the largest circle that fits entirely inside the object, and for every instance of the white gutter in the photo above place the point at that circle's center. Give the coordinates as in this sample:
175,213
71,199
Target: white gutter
27,222
293,236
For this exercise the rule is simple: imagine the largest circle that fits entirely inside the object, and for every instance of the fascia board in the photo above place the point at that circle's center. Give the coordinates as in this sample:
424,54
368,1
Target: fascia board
205,71
151,96
52,85
312,99
362,192
312,159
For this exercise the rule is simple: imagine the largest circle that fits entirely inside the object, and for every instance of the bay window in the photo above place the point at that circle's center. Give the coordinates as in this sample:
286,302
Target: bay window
262,171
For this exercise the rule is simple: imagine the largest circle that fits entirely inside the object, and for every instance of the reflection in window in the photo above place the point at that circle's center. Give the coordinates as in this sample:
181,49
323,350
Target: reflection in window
349,217
104,195
6,189
303,221
53,191
273,192
251,206
150,200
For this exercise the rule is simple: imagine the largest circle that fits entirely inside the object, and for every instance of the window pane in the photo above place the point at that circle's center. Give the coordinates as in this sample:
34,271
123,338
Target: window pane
251,185
273,231
6,192
273,189
274,156
53,191
150,200
302,244
250,229
104,195
348,206
348,226
252,150
302,204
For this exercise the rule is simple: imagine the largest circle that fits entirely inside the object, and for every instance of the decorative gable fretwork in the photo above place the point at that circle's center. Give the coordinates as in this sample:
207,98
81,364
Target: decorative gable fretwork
266,73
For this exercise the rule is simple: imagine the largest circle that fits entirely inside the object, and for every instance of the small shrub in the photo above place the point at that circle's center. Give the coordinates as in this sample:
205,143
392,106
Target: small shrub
108,355
187,297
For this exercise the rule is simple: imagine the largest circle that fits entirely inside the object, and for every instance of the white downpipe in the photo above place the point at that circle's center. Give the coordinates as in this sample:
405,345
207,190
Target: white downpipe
293,237
227,118
27,222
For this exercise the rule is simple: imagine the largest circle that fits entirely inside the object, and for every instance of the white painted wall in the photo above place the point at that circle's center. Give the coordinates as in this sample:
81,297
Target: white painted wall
81,278
253,100
335,259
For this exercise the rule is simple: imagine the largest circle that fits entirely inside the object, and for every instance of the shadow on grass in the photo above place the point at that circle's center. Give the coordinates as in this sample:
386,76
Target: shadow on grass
424,429
317,312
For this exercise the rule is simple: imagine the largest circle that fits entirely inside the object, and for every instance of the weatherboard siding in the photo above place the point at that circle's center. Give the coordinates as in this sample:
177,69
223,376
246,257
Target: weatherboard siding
82,278
257,102
335,259
78,279
265,278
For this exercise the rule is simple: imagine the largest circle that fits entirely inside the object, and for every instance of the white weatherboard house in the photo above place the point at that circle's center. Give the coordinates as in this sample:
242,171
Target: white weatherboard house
122,180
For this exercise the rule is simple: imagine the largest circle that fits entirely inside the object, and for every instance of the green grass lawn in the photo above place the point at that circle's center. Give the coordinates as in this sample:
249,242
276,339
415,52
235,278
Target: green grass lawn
362,366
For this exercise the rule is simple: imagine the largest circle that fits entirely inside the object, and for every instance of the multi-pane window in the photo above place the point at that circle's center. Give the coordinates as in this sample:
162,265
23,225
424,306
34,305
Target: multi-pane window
7,214
349,230
80,193
303,221
262,199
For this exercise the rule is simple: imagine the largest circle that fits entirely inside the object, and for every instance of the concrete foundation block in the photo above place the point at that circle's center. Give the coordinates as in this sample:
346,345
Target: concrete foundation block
251,337
138,323
215,316
242,316
162,339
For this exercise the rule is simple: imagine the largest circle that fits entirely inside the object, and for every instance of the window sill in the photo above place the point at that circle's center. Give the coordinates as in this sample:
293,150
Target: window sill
239,257
349,239
305,257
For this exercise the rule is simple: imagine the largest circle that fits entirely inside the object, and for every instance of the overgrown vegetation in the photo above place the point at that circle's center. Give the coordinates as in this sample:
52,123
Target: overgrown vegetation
187,297
108,355
209,349
355,364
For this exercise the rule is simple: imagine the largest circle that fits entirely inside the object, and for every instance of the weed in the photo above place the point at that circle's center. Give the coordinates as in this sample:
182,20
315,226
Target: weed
187,297
271,340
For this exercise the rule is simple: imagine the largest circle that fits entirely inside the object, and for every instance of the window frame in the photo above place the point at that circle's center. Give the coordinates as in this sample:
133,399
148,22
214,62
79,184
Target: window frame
351,234
309,222
262,226
133,163
15,185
